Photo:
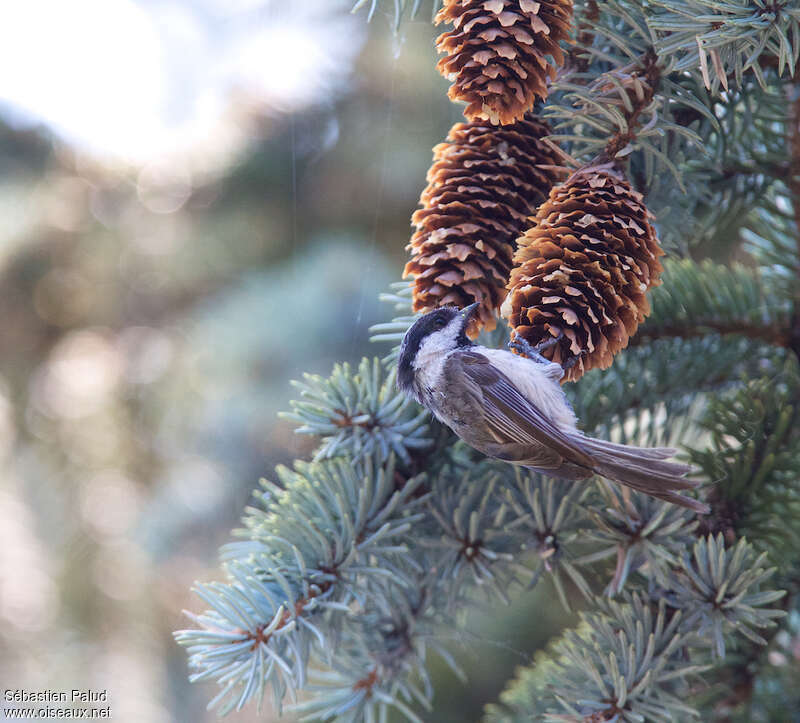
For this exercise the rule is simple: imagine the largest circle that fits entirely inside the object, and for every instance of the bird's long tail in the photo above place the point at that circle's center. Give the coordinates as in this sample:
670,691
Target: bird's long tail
644,469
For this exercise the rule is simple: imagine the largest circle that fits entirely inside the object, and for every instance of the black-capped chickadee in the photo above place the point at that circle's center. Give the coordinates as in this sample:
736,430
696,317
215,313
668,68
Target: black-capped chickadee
513,408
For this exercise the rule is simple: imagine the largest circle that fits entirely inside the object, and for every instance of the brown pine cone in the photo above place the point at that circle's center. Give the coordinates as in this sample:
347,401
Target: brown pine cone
582,270
484,184
497,53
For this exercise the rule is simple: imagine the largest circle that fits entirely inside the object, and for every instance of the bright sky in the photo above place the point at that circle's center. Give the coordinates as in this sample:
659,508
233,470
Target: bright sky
139,80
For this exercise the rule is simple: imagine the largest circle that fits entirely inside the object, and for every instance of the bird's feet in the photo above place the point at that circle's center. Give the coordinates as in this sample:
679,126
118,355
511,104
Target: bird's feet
571,362
524,347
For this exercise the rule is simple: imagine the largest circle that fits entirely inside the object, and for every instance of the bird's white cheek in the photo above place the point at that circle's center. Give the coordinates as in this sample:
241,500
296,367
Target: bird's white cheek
430,359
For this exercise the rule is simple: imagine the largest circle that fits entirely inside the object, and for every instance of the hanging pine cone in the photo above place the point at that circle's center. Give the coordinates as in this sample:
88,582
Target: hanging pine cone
501,53
583,269
484,184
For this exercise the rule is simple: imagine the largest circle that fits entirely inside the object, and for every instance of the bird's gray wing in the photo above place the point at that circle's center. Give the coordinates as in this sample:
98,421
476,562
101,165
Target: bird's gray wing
513,419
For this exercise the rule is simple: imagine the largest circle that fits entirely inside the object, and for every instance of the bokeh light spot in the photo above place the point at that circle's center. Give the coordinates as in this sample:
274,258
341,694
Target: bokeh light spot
79,377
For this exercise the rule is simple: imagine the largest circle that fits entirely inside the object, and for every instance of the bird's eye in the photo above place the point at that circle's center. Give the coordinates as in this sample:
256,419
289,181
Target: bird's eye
440,323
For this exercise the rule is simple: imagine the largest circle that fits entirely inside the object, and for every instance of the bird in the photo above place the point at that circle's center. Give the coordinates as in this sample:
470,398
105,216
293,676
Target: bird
512,407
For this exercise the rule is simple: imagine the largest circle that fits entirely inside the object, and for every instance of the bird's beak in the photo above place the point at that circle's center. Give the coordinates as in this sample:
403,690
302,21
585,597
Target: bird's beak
469,311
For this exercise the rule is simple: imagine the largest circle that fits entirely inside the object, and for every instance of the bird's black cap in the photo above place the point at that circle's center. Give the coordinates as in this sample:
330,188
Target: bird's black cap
430,323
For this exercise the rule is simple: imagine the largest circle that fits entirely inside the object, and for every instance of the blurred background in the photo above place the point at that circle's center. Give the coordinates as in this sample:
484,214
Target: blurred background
199,201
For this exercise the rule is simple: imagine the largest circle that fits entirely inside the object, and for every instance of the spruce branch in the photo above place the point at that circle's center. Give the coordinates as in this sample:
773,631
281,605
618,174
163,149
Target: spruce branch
794,189
586,18
253,635
359,503
552,519
498,527
319,532
631,658
470,540
400,297
664,379
641,532
380,661
720,591
616,96
700,298
730,174
758,683
754,461
621,664
642,83
358,413
737,36
401,9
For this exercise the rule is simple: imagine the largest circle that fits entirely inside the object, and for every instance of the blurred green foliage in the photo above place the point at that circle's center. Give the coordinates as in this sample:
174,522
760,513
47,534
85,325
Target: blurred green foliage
145,355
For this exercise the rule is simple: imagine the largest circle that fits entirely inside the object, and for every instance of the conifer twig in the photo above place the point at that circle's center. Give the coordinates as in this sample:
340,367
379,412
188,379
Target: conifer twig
794,189
776,335
644,81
